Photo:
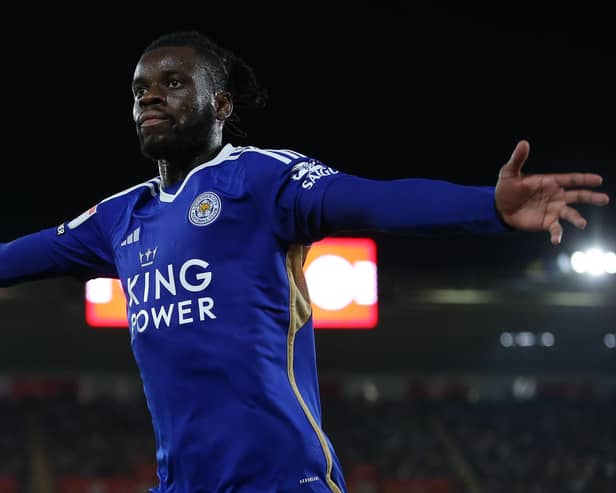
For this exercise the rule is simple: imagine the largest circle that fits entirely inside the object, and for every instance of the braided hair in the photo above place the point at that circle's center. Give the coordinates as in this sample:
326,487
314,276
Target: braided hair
229,72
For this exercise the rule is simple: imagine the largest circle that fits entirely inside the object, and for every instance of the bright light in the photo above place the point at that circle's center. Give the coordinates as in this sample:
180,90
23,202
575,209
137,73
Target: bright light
99,290
506,339
341,274
609,340
610,262
547,339
594,262
578,262
335,282
365,276
331,282
594,259
525,339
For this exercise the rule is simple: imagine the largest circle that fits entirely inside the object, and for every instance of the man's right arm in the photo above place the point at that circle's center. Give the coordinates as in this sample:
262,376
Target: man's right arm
76,249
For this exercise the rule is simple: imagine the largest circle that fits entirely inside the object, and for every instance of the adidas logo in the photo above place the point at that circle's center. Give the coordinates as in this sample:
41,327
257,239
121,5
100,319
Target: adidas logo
132,238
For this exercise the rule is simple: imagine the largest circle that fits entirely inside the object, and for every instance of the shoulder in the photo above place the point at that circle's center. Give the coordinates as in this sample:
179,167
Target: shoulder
150,187
282,166
273,157
112,206
267,165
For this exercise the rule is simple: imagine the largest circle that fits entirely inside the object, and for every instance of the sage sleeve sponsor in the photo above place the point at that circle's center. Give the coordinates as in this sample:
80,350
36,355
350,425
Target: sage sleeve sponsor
309,172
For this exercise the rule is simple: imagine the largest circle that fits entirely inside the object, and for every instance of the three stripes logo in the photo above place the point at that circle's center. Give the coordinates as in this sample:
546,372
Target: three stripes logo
132,238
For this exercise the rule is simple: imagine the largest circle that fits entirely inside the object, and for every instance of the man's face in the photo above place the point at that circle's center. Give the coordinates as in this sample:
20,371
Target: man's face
173,103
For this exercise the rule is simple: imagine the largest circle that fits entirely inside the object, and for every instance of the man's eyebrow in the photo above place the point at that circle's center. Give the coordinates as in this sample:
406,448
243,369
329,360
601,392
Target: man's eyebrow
137,80
173,71
168,72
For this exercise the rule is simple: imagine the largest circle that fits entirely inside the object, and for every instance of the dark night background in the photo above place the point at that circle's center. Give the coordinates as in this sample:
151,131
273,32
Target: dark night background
383,90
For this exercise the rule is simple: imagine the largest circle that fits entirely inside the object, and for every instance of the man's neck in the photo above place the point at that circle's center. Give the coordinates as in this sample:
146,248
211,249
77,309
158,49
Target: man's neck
176,170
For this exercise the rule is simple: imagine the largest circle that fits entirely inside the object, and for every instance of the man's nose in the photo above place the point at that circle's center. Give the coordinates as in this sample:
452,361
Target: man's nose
153,96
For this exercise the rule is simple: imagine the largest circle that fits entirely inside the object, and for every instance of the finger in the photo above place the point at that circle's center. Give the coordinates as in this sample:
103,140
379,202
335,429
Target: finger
556,232
513,167
586,197
573,216
578,179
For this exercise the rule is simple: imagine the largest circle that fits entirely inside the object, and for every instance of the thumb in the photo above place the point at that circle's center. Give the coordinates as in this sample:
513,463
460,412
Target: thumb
513,167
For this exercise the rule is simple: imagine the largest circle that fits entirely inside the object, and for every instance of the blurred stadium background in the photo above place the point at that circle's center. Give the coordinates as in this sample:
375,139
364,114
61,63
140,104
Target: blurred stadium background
491,368
465,385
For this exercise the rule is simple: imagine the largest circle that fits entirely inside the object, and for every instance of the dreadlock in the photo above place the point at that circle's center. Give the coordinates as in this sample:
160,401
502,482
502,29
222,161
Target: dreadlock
229,72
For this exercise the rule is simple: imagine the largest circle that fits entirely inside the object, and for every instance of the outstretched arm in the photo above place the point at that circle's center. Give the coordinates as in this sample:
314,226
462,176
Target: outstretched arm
41,255
315,200
75,249
525,203
539,202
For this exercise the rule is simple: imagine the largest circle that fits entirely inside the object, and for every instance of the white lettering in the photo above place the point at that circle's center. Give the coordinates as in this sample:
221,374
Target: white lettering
162,314
182,310
169,284
146,288
311,479
135,321
131,285
315,173
193,276
205,308
206,277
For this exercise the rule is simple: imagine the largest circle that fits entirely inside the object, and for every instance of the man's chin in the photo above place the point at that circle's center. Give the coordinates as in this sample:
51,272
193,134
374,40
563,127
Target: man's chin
157,149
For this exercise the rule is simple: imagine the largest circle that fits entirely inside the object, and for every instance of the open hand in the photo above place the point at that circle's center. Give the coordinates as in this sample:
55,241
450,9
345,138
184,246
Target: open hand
538,202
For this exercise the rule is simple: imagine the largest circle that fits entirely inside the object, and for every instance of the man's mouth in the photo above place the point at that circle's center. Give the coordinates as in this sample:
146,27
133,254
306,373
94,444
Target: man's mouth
152,122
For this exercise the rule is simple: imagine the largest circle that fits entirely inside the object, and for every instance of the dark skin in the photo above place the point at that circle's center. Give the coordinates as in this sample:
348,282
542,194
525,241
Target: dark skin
178,112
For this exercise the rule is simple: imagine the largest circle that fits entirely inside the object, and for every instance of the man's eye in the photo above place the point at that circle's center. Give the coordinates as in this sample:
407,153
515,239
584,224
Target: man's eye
139,91
175,84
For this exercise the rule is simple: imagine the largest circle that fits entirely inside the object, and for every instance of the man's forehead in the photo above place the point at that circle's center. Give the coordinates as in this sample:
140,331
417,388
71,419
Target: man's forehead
169,58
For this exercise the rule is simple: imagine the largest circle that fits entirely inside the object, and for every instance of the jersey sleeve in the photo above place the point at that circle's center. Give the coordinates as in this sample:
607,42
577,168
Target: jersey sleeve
299,199
78,248
315,200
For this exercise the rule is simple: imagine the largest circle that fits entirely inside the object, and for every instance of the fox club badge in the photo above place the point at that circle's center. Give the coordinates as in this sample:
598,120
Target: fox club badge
205,209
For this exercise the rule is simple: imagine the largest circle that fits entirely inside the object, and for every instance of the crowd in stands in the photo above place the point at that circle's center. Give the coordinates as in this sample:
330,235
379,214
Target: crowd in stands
98,439
387,445
539,445
13,446
414,444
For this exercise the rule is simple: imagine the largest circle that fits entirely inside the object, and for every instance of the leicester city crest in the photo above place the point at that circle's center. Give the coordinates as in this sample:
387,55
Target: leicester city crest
205,209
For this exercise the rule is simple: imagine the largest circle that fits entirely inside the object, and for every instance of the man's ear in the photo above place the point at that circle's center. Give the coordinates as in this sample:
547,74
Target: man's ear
224,105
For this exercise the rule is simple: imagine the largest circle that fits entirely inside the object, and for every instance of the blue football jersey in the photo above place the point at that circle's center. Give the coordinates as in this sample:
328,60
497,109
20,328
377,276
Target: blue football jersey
218,309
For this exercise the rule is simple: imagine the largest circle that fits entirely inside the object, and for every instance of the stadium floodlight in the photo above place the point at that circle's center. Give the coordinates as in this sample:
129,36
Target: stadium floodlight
610,262
594,262
527,339
506,339
547,339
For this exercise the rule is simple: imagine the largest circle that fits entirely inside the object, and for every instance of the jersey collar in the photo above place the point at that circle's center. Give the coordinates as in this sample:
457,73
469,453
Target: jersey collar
222,156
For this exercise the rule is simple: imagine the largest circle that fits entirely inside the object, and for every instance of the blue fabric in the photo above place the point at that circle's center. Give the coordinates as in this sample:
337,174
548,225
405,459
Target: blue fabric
214,304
